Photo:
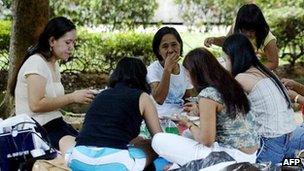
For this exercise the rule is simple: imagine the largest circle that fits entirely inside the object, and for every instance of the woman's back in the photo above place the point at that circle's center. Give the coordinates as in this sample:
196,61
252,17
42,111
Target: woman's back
113,119
272,115
268,105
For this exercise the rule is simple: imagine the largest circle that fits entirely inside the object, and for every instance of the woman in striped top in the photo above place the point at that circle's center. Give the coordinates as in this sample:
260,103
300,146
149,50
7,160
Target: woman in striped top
270,104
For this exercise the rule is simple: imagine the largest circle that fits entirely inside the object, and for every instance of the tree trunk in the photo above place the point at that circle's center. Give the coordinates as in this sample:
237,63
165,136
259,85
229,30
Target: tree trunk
29,19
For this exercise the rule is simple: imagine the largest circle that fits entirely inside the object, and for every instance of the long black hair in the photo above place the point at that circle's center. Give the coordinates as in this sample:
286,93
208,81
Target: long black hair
206,71
56,28
158,37
250,17
242,56
131,72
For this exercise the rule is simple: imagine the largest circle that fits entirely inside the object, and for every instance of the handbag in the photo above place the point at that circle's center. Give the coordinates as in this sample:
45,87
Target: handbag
22,141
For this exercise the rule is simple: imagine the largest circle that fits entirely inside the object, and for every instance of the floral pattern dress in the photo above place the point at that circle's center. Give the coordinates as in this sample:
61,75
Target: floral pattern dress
238,132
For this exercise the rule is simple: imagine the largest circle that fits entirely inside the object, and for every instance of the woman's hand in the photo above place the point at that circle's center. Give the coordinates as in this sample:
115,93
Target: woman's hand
292,94
183,120
171,61
289,83
209,41
191,108
82,96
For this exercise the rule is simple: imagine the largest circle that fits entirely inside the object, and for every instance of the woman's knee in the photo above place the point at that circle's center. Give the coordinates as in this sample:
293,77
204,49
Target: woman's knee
157,140
66,142
160,141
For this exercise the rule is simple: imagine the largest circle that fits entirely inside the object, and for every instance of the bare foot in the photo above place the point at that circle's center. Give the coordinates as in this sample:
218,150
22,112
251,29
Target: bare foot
167,167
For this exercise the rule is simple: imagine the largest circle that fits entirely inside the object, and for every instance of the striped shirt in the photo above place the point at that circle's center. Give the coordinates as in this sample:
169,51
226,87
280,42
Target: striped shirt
269,107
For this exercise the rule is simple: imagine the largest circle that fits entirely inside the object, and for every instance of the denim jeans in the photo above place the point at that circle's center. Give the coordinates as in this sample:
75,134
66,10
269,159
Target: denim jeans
278,148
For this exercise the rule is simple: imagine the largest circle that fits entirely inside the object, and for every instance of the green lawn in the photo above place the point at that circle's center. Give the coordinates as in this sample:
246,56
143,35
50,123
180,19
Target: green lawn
192,40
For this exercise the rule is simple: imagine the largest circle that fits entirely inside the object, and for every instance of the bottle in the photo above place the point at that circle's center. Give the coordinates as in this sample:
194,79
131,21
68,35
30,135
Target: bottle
171,127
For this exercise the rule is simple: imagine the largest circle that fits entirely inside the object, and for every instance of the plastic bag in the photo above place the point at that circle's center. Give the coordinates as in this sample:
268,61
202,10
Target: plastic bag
57,164
144,132
169,126
212,159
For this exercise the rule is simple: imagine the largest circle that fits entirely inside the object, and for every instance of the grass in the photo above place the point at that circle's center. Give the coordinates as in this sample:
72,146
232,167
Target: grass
193,40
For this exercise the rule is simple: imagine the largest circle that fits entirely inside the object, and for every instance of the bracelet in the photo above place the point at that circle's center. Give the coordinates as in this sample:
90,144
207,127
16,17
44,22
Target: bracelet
191,125
296,98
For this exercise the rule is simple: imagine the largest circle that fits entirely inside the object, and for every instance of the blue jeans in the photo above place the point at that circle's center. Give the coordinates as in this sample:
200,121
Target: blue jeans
276,149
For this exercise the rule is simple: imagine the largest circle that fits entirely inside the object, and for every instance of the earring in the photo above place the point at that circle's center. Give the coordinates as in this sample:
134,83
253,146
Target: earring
51,49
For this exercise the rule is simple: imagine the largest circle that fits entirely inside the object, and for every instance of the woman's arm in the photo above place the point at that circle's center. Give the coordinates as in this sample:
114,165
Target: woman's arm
218,41
160,89
300,99
207,131
299,88
205,134
293,85
148,110
295,97
38,103
272,53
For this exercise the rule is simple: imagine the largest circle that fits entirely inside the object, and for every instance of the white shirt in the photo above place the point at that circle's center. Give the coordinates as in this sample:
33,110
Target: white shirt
177,88
36,65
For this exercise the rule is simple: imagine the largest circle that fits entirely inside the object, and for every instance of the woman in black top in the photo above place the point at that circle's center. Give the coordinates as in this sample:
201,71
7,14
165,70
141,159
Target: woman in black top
114,119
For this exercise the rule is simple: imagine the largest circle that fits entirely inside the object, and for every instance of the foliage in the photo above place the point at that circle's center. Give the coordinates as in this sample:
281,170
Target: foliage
204,14
288,27
274,4
117,14
99,52
5,12
5,34
96,53
4,46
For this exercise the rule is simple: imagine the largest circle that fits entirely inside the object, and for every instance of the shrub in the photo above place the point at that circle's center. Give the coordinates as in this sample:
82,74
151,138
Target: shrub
287,25
5,28
5,34
99,52
95,53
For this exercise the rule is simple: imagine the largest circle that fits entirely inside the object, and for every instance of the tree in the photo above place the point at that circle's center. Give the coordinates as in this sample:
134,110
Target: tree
29,19
116,14
206,13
